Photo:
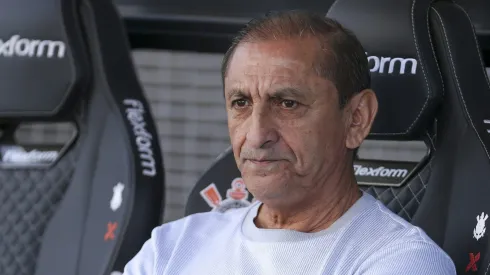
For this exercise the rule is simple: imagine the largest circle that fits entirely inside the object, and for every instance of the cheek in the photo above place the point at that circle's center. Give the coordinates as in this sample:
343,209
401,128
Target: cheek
308,148
314,141
301,139
237,135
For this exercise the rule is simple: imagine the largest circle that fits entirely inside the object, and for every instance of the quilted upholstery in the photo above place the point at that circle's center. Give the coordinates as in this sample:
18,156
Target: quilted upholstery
403,201
28,199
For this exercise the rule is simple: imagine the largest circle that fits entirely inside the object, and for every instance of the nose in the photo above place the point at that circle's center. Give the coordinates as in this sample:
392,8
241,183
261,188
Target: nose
262,132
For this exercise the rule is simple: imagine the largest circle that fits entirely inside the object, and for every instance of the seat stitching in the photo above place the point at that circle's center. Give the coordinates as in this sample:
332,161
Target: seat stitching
429,92
459,88
486,78
457,82
332,6
481,66
431,142
435,57
415,194
422,65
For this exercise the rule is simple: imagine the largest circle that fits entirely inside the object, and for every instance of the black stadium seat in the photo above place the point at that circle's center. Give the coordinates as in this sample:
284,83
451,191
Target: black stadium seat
88,207
428,74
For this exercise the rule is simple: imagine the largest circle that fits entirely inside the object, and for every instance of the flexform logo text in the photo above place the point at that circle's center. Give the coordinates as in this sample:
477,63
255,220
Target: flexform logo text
16,46
135,113
379,172
34,156
389,64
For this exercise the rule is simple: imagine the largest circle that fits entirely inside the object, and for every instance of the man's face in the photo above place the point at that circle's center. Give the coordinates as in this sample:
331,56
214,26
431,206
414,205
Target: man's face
286,127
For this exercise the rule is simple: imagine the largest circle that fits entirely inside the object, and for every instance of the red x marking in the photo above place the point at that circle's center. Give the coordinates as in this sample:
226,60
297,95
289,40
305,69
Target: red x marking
111,227
473,260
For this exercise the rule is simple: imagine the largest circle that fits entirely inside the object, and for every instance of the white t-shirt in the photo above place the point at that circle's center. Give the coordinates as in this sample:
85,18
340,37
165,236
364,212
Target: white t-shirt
368,239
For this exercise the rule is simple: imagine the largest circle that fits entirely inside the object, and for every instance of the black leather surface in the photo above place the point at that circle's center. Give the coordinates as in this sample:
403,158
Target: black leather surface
41,58
464,138
390,30
56,220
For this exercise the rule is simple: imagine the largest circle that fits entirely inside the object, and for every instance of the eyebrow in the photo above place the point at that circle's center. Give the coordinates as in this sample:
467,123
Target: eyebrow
235,93
278,93
288,92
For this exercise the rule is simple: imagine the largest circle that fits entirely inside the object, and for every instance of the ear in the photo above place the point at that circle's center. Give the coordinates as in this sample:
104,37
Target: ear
361,111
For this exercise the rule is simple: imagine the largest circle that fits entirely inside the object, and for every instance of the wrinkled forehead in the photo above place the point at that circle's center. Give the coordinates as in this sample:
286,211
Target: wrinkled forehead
286,60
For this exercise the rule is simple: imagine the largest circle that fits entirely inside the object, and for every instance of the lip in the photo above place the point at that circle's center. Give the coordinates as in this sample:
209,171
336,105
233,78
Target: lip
262,162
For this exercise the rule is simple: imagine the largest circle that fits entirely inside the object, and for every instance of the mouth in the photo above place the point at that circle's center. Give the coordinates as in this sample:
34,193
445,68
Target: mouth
262,162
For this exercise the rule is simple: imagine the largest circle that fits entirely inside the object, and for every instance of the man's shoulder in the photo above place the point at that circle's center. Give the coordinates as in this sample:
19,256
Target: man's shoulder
392,240
183,236
200,224
377,227
407,258
389,225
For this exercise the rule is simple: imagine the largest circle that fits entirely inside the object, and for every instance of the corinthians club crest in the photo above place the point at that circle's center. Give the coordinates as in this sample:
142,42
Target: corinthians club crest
236,196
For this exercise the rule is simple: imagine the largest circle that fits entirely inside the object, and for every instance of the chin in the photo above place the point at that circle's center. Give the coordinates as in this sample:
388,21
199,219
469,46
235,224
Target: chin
265,176
267,187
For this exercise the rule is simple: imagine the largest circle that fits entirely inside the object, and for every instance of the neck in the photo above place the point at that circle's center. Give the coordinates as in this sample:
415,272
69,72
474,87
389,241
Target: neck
320,211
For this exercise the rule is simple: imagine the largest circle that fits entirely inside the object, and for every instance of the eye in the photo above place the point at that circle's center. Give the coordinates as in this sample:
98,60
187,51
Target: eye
239,103
289,104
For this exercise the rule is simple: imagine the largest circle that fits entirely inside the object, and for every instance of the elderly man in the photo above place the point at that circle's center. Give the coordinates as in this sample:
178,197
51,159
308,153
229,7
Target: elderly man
297,95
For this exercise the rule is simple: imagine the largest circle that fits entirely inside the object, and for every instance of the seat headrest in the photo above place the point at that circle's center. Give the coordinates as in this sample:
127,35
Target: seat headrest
405,75
42,58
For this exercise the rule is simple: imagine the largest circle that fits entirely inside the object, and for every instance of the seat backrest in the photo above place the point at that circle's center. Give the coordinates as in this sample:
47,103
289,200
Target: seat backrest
463,142
87,206
427,72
